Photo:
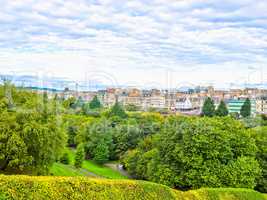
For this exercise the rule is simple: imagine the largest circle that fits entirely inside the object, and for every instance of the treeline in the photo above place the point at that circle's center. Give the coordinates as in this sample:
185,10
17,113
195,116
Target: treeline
209,109
202,152
181,152
31,138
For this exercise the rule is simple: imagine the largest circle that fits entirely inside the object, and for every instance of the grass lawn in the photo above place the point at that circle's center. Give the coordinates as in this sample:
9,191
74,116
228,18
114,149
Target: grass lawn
102,170
59,169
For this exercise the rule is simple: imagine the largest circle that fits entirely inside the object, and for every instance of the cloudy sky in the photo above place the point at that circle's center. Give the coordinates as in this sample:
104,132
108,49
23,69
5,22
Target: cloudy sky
161,43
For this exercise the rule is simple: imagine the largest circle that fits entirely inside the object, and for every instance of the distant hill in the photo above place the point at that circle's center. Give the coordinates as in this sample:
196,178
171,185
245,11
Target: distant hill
51,83
28,187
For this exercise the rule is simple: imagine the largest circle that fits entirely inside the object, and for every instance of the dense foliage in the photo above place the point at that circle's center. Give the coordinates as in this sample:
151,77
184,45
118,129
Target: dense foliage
197,152
222,110
30,136
25,187
95,103
79,156
208,108
246,109
181,152
260,136
117,111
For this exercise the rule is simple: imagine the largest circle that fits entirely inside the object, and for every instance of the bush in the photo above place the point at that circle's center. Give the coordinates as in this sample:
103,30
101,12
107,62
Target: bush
223,194
79,156
25,187
65,159
101,153
29,187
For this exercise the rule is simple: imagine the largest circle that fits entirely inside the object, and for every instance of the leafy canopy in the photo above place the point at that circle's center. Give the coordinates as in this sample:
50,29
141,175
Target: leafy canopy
118,111
31,139
246,108
208,108
95,103
222,110
197,152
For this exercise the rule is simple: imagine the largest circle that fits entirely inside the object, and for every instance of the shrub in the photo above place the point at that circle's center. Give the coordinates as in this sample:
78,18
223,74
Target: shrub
223,194
65,159
79,157
30,188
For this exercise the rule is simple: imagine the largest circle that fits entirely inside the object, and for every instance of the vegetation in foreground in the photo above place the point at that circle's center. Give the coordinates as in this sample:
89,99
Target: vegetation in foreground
87,168
26,187
178,151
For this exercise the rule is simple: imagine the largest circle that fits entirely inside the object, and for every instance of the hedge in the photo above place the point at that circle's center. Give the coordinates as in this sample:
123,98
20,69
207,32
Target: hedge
223,194
29,187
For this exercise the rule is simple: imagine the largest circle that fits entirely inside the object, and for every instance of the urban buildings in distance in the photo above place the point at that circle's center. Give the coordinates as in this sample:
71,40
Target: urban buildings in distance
188,102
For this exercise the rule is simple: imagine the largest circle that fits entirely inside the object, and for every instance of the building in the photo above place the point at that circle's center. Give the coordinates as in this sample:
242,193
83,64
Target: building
157,101
261,105
235,93
235,105
184,104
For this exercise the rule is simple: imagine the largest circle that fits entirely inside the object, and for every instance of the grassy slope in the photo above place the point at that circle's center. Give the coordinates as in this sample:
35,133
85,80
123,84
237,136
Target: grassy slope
27,187
59,169
102,170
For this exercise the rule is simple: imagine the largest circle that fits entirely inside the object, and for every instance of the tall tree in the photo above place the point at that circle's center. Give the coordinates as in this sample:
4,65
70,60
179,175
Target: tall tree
79,156
101,153
30,141
95,103
117,110
222,110
260,136
94,133
246,108
208,108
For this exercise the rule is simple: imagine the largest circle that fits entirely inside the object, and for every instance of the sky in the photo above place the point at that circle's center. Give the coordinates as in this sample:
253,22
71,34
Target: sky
142,43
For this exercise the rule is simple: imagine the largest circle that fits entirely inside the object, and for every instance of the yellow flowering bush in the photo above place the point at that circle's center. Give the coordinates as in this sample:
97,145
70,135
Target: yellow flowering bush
83,188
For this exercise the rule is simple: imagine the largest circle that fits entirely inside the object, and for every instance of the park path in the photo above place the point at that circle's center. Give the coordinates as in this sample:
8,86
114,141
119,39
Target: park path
118,168
85,172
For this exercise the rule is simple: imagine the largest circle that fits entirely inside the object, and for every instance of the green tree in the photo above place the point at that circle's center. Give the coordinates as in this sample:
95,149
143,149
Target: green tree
132,107
208,108
65,159
72,124
222,110
95,103
70,103
31,138
94,133
101,153
79,156
260,136
192,152
246,108
126,137
117,110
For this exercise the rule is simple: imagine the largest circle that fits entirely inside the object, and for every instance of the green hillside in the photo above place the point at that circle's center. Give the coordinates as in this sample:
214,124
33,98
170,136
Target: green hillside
89,168
27,187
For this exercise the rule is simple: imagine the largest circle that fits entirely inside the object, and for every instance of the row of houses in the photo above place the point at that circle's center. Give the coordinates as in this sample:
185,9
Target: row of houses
190,101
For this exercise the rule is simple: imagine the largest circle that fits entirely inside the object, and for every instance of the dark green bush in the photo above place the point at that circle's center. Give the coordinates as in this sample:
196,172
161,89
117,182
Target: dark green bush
65,159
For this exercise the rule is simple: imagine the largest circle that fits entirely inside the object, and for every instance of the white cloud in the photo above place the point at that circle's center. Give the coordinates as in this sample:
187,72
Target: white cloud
135,40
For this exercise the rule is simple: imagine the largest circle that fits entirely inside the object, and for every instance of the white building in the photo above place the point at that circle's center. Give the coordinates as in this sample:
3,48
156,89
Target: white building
184,104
